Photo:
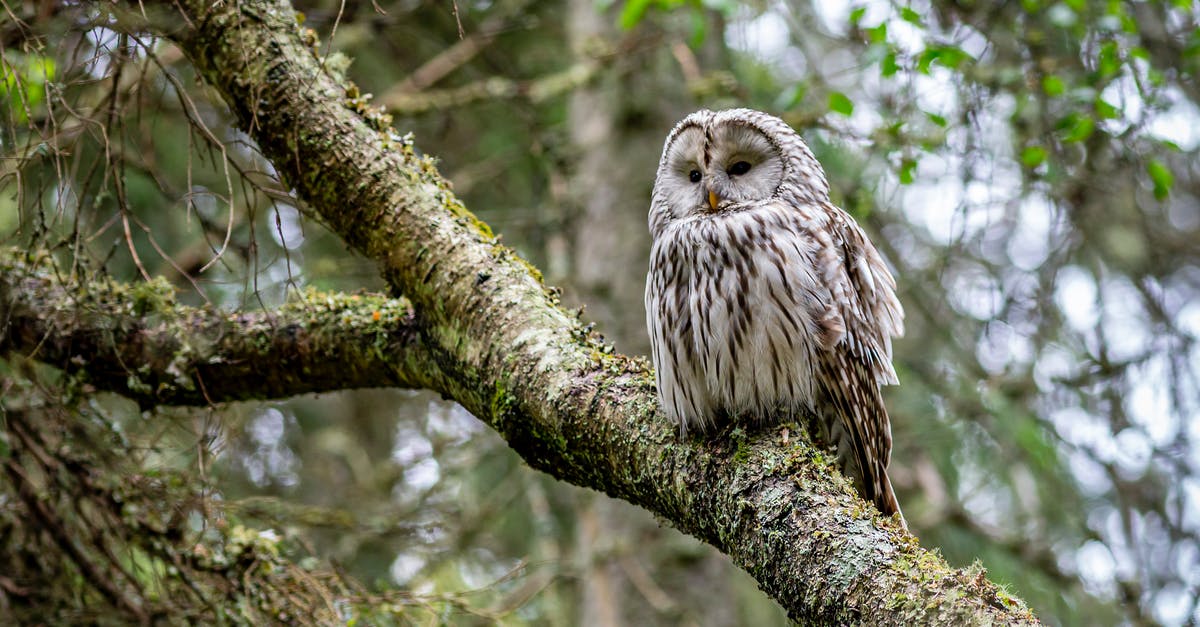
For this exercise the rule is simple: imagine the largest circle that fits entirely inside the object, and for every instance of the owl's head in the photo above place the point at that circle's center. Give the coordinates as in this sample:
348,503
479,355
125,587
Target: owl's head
727,160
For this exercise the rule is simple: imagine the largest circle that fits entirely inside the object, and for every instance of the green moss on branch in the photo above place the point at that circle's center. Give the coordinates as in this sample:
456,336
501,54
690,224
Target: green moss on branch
135,340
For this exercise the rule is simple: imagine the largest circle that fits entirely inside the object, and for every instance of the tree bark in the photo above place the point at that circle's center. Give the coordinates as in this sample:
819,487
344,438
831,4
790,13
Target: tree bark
134,339
486,332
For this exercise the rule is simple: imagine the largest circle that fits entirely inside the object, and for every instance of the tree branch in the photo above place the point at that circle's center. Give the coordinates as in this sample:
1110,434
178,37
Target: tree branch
134,339
507,352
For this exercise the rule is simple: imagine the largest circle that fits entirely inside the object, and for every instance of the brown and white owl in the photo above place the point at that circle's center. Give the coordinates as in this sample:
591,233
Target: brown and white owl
764,300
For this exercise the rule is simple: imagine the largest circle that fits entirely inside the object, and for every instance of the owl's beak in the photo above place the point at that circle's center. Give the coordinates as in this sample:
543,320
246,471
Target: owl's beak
713,200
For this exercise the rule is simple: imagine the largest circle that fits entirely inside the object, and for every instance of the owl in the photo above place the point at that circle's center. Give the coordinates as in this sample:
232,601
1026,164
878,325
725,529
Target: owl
765,301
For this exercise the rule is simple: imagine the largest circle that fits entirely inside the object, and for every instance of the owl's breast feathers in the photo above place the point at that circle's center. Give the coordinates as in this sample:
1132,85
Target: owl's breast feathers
745,307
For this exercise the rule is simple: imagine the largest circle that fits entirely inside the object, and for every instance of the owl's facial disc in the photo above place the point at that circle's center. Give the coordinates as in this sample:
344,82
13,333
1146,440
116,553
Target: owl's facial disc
687,180
719,166
744,165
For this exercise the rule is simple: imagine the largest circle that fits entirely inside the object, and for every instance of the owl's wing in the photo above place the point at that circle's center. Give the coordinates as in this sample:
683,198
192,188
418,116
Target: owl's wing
863,292
850,370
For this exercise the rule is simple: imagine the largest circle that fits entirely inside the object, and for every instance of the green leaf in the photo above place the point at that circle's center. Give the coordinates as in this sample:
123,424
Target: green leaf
1162,178
1078,127
1109,62
908,168
632,13
1033,156
856,15
888,65
1106,111
840,103
949,56
910,16
1053,85
936,119
925,60
952,57
878,34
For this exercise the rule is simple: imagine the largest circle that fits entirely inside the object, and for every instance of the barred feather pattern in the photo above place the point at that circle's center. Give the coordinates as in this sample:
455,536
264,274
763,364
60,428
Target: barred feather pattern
763,299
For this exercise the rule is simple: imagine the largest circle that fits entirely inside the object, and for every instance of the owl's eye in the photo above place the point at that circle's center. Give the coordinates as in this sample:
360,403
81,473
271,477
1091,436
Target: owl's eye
694,176
741,167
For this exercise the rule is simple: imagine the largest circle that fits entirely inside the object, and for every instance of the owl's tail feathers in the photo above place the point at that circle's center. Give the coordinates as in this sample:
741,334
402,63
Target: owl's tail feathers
853,457
854,419
885,500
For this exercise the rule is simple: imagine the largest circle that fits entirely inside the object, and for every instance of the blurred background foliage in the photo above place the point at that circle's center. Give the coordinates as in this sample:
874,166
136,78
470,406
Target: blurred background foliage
1028,168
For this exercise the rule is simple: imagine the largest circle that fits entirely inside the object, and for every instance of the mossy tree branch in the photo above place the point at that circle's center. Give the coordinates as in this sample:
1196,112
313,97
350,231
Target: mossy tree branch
135,340
506,351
